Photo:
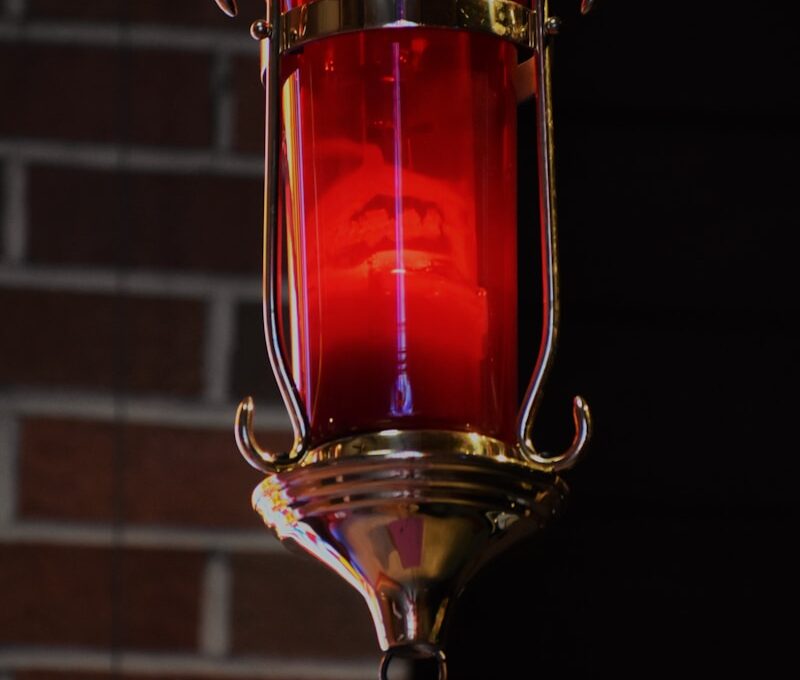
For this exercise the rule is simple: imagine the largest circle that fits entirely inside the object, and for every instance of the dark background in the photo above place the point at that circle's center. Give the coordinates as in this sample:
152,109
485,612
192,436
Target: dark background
677,148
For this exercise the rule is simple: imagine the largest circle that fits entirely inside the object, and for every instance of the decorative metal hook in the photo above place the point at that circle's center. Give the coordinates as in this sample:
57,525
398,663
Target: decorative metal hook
251,451
246,441
248,446
547,209
582,419
271,279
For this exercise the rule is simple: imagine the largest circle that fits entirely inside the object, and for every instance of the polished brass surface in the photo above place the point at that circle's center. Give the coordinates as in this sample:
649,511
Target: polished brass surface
255,455
429,441
413,652
406,517
408,527
552,26
322,18
550,286
252,452
228,6
260,29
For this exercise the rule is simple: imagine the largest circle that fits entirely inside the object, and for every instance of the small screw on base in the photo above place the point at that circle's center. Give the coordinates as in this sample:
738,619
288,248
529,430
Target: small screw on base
552,25
260,29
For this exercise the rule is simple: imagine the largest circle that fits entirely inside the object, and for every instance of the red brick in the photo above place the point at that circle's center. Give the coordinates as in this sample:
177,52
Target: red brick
165,475
250,102
105,95
74,483
133,344
290,606
188,12
162,220
96,597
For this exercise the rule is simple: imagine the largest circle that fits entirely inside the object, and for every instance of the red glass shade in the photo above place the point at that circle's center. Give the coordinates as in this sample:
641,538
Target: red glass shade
399,166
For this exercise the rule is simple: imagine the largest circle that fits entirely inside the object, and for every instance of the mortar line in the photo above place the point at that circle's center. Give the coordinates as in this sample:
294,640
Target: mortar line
219,340
222,88
137,282
139,410
15,218
215,618
88,535
167,664
144,36
9,443
94,155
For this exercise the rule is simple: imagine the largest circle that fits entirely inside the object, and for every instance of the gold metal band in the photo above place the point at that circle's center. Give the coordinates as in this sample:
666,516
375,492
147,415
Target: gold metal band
413,443
406,528
323,18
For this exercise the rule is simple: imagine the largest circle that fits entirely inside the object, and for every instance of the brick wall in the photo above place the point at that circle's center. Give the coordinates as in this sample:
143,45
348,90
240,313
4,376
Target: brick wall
130,197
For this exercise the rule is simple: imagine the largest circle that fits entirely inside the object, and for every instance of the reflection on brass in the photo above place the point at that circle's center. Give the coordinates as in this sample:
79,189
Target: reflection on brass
552,26
260,30
270,58
322,18
408,527
428,441
415,652
251,451
228,6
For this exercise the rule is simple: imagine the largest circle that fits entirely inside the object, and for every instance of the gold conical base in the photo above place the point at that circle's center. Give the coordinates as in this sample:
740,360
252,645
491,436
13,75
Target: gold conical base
407,518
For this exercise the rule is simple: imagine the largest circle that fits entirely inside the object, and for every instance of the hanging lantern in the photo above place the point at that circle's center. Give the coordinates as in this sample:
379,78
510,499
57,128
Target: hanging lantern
391,177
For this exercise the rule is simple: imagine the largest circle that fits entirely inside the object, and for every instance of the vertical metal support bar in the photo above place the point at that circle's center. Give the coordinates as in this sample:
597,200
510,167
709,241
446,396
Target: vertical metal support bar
271,279
252,452
550,291
547,219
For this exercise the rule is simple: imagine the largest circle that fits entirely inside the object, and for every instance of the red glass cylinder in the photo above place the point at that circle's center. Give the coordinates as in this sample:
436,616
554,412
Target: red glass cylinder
399,197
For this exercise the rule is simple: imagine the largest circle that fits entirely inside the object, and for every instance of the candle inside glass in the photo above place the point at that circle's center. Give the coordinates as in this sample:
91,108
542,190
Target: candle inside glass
399,195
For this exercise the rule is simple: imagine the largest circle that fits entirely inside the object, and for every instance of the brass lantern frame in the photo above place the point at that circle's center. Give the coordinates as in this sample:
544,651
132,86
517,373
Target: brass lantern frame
530,30
461,496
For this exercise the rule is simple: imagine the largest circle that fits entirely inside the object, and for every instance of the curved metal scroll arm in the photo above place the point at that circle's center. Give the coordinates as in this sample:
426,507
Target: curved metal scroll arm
547,208
259,458
248,446
230,7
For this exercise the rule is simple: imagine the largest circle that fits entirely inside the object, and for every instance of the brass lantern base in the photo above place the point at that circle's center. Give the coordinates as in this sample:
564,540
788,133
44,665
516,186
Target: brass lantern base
406,518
